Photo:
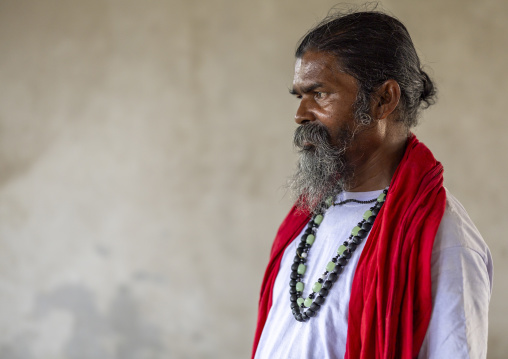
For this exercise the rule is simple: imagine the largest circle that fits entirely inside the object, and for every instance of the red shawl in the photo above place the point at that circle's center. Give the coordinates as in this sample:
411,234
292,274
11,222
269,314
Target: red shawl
391,302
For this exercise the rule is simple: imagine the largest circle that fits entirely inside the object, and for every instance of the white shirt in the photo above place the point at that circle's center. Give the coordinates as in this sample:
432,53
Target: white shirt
461,288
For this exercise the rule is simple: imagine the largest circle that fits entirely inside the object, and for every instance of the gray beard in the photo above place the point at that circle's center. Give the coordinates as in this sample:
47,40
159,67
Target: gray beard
322,169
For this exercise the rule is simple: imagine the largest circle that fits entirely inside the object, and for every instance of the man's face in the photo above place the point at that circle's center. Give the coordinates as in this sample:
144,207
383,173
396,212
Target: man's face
327,129
326,93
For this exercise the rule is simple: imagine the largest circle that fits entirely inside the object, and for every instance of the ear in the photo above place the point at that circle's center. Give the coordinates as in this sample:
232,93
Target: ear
387,98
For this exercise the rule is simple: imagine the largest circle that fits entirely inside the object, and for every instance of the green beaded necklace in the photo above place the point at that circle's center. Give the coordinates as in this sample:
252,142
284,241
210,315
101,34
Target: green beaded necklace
304,308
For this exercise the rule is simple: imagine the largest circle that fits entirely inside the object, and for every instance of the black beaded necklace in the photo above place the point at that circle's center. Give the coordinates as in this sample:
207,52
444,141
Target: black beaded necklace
323,285
355,201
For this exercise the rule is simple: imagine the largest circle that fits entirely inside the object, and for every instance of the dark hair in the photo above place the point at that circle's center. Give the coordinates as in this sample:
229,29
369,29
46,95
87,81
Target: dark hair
373,47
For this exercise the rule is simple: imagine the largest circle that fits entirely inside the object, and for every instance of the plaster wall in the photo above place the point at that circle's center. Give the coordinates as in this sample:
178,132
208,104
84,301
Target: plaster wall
143,149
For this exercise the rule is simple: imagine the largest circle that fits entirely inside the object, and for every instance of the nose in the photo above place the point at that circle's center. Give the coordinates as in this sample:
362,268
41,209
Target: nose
303,114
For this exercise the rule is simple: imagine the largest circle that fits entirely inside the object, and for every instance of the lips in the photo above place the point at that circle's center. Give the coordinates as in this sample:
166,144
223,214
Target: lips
307,146
310,136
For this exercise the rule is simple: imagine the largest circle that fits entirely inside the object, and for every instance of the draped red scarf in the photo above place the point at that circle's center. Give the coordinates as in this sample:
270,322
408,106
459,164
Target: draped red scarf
391,299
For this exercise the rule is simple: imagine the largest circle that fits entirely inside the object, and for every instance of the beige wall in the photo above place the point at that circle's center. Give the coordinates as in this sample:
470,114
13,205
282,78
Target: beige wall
143,145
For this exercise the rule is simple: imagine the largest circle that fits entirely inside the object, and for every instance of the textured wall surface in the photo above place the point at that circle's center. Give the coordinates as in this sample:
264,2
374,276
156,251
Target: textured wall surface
143,148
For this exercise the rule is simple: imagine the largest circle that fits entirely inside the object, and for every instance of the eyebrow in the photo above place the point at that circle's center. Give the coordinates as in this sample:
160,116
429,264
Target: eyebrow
305,89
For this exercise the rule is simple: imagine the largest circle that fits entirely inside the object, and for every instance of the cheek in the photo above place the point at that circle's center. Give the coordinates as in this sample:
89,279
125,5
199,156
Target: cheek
339,116
341,125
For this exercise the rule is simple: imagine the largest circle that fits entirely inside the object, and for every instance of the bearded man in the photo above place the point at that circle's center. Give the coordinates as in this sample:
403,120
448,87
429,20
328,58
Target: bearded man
376,259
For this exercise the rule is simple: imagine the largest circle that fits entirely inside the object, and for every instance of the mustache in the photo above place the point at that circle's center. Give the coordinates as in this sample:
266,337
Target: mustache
312,133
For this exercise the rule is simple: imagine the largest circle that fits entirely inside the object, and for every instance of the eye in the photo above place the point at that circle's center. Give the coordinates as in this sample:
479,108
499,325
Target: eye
318,95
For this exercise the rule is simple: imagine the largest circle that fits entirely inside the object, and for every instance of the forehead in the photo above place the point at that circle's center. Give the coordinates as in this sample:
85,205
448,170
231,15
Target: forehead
320,67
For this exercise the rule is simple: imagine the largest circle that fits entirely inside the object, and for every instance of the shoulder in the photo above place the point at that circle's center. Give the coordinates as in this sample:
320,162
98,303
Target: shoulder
461,288
457,235
457,229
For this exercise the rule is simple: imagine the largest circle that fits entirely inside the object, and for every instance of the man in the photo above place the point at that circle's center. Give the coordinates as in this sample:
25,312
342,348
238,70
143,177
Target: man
376,259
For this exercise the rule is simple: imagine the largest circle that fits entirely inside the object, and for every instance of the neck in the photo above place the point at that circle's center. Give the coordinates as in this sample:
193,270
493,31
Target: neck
378,159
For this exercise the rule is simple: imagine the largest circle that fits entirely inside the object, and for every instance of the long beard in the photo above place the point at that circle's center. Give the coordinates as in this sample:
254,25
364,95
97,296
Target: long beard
322,170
